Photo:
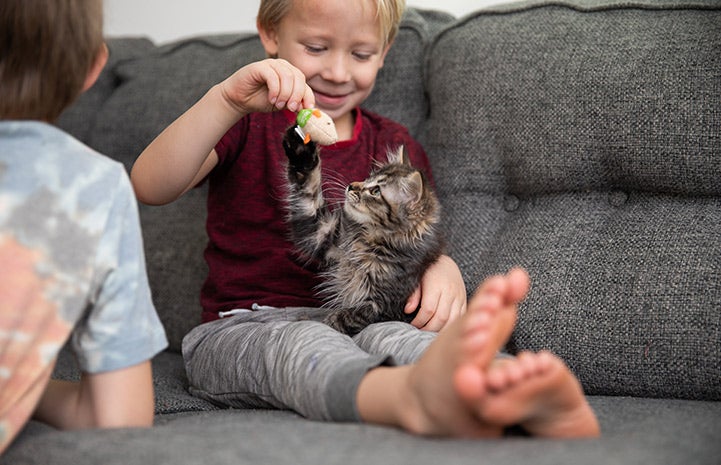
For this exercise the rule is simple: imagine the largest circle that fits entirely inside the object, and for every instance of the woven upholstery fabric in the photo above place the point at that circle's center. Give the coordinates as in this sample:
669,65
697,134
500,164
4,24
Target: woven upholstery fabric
583,144
399,92
79,119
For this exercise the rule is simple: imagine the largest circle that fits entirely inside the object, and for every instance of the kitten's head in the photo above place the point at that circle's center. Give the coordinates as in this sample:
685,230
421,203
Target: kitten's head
395,197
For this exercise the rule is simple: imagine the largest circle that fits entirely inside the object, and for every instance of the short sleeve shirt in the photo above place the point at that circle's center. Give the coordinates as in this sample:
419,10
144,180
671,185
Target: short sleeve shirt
71,244
250,257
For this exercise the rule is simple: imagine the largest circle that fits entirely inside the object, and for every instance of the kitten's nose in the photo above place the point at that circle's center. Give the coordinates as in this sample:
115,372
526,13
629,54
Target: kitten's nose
354,186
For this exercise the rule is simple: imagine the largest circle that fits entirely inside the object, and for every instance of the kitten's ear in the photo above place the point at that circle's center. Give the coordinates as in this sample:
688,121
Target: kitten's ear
405,157
399,155
413,186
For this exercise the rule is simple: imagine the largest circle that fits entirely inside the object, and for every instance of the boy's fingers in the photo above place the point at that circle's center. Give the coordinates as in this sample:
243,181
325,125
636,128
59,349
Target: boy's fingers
429,304
272,82
308,97
292,88
422,317
299,91
413,301
286,80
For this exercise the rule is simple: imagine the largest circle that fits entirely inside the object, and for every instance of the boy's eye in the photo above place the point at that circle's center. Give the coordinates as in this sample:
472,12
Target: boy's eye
313,49
362,56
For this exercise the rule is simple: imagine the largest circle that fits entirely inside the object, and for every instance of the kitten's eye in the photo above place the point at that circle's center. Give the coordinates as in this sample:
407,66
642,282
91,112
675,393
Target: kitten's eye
375,191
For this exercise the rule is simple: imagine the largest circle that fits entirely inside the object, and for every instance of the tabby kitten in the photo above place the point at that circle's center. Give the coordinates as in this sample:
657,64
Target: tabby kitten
376,248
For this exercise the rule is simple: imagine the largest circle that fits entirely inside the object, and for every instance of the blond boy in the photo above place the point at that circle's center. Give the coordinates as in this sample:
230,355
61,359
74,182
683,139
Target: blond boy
273,352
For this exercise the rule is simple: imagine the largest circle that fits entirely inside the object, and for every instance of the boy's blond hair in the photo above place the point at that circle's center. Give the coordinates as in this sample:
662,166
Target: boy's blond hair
389,13
47,49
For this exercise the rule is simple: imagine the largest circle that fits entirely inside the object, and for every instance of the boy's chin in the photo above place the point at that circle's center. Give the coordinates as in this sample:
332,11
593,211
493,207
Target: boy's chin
333,111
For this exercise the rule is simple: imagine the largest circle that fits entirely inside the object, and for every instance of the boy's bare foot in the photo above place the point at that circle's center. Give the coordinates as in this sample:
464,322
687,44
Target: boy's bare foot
443,393
492,314
538,392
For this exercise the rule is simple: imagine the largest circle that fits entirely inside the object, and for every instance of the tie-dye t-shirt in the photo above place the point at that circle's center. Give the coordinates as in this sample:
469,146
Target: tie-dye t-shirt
71,266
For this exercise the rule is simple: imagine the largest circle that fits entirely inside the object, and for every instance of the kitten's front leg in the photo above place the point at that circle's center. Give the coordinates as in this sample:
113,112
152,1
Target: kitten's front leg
352,320
345,321
302,157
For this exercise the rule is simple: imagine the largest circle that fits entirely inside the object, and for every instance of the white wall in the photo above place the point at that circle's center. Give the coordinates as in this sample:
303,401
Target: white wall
165,20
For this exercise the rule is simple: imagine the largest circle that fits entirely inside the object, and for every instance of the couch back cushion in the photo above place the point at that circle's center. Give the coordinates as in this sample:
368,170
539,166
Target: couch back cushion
399,91
582,141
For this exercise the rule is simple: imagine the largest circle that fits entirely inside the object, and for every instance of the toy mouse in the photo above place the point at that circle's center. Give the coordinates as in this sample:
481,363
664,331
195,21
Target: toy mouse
313,124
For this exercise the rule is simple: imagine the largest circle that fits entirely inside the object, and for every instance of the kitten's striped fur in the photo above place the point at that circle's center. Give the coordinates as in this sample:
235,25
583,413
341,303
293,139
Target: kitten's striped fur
376,248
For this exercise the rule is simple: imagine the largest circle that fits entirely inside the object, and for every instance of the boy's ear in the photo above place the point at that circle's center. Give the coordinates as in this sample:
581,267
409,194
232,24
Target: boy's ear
97,67
385,52
269,39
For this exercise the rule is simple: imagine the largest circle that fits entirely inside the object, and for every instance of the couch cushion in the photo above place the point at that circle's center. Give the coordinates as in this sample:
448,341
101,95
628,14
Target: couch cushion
636,431
581,140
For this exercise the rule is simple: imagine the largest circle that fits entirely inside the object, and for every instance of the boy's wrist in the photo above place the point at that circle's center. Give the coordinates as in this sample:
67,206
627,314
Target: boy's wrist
224,103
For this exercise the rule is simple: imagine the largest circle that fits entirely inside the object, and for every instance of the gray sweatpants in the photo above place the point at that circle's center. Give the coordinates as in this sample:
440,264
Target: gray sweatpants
286,359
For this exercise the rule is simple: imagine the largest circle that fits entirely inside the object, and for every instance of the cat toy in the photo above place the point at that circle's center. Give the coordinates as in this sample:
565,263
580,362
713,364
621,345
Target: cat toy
315,125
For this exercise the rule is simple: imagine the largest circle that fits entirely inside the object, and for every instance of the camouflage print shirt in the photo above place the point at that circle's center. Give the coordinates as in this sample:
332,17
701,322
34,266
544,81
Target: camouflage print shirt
71,265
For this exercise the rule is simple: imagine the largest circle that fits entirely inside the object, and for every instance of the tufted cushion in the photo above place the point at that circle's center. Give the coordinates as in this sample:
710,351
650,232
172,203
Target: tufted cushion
583,143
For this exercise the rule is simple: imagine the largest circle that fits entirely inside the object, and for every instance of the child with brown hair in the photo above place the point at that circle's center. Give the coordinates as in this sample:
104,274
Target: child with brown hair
71,253
272,351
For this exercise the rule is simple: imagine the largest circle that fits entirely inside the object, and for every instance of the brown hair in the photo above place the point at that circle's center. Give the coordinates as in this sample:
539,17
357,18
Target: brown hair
389,13
47,48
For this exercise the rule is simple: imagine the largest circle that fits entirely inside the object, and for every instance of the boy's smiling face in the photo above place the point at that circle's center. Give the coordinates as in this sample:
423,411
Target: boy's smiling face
337,46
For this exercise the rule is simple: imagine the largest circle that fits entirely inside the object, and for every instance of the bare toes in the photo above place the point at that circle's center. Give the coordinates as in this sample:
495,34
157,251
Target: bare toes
519,283
496,284
498,377
529,363
546,361
469,383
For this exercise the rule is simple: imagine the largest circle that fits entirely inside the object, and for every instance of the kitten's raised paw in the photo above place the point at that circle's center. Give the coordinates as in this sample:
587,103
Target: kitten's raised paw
302,157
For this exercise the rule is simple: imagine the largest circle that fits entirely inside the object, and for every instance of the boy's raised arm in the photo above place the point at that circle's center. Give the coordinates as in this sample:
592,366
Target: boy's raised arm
183,153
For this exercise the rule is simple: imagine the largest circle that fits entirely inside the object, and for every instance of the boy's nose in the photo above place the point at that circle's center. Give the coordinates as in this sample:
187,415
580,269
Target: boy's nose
336,68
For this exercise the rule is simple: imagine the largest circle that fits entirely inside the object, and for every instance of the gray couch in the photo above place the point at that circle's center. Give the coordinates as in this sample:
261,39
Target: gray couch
581,140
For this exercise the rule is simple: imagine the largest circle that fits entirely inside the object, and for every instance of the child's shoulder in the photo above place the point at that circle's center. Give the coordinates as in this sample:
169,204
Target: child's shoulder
34,144
39,160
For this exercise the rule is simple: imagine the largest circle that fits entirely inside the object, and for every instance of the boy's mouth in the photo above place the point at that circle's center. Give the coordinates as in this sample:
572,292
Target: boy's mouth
328,100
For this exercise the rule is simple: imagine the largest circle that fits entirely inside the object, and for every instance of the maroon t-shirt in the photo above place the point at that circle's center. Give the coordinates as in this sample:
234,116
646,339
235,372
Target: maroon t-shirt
249,256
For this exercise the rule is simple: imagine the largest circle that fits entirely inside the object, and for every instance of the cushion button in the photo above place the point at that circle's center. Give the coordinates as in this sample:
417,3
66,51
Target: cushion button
511,203
617,198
